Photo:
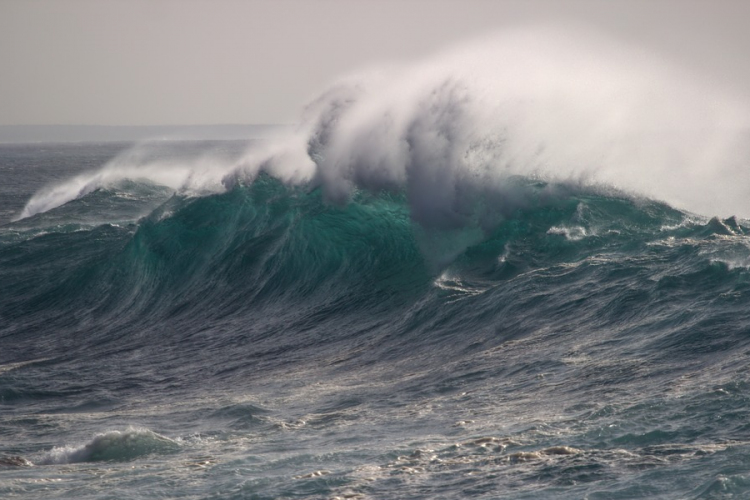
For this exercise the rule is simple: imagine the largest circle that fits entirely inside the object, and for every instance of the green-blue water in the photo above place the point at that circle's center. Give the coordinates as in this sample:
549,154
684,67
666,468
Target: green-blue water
265,342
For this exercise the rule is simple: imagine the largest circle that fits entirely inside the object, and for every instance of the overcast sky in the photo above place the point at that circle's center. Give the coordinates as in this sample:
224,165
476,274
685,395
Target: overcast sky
152,62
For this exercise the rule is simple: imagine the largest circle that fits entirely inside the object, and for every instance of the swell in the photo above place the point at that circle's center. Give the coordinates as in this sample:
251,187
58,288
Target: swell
279,268
258,255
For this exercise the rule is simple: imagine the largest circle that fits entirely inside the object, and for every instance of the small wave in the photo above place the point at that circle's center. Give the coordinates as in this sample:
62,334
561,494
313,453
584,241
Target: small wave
118,446
727,227
15,461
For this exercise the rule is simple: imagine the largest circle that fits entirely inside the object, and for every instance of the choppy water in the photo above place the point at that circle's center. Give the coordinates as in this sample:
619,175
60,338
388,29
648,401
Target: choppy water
265,342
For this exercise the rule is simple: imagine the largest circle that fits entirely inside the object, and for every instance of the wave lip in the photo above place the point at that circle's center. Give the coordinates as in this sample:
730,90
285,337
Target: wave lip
199,175
113,446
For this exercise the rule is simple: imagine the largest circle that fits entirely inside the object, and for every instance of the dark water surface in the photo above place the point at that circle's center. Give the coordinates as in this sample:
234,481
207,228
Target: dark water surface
265,343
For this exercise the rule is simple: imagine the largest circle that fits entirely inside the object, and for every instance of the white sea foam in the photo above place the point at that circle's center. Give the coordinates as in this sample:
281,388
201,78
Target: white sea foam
14,366
532,102
574,233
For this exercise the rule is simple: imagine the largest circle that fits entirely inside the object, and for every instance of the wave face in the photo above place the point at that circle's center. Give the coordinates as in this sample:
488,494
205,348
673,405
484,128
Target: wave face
413,295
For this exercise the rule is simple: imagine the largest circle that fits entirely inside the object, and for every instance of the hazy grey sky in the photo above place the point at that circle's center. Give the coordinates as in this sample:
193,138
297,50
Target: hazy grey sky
148,62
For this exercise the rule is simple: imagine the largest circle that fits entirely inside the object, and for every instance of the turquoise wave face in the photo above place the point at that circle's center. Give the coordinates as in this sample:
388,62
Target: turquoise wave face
266,247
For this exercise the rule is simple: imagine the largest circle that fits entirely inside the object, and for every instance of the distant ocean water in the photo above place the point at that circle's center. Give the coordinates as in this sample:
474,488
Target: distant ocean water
47,134
263,342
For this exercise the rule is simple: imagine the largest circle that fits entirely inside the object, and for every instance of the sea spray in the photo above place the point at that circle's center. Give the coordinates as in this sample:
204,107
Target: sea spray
188,175
559,106
540,102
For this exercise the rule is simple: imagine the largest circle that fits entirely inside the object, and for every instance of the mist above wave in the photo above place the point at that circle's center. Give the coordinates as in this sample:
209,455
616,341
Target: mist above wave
539,102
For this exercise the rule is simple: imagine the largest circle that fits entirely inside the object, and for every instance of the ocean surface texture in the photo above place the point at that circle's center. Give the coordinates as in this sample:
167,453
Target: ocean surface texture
540,339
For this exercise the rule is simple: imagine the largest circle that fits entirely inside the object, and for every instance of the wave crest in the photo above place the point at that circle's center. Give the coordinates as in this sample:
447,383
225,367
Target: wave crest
539,103
561,106
113,446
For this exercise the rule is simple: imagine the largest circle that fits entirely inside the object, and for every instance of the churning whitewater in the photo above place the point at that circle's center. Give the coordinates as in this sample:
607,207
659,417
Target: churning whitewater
516,270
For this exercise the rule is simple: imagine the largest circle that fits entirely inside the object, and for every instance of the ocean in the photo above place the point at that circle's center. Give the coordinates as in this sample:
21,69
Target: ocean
430,287
265,342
